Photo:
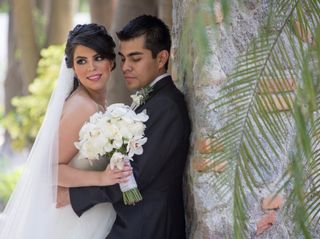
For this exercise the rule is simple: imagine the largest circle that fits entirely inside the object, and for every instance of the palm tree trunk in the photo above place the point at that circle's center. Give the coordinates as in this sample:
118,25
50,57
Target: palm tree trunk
13,80
60,20
102,12
26,42
43,6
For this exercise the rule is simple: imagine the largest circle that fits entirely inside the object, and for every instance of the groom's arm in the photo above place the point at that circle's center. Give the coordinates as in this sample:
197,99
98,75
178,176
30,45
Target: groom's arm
165,132
83,198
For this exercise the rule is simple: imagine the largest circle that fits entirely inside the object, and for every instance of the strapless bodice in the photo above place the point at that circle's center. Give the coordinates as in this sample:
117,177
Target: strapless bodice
84,164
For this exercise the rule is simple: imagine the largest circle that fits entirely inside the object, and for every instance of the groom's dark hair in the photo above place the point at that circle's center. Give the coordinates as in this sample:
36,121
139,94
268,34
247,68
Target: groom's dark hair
156,32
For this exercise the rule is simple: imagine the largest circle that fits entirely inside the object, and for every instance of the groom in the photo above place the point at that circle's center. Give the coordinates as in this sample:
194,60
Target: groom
144,50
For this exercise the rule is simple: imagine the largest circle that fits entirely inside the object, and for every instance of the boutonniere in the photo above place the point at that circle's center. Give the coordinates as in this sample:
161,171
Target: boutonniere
140,97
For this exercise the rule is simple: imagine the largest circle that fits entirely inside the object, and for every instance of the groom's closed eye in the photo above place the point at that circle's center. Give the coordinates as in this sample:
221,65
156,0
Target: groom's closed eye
134,56
136,59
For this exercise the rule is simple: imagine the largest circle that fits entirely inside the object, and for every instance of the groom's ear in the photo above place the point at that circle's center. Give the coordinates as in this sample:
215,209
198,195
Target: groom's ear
162,58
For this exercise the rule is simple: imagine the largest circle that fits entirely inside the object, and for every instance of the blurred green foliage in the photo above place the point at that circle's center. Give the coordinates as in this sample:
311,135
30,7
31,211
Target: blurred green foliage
40,27
4,6
1,111
8,182
83,6
24,121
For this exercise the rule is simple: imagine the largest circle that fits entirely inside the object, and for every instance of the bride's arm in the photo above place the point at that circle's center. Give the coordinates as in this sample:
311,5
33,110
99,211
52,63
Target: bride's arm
75,114
71,177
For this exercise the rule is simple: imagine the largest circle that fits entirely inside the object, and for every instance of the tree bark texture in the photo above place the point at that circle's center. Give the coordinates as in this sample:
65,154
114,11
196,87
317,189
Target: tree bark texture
102,12
27,49
60,20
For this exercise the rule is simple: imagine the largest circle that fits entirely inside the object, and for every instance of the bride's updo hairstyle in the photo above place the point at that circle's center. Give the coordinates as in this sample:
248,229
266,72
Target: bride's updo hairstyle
93,36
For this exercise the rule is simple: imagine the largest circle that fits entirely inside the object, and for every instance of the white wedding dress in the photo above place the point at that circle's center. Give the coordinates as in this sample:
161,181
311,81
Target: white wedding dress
63,223
31,212
95,223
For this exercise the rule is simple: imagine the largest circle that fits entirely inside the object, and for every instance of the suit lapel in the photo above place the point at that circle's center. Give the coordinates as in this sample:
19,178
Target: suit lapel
155,89
159,85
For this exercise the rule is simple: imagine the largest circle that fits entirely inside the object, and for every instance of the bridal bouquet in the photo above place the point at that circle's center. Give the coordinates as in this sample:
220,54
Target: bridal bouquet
118,134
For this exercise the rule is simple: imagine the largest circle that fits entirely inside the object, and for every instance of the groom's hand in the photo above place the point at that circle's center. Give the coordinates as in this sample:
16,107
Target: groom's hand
63,197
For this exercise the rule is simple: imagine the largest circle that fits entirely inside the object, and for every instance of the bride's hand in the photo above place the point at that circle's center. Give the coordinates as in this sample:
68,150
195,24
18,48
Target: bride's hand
111,177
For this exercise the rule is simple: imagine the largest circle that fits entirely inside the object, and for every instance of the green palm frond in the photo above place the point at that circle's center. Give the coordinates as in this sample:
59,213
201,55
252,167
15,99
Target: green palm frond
312,198
305,159
269,97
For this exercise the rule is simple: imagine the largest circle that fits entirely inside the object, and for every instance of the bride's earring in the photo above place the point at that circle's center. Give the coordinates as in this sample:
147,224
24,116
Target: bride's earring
76,82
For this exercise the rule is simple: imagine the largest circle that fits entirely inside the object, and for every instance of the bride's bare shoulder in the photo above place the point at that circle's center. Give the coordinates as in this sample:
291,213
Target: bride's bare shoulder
79,105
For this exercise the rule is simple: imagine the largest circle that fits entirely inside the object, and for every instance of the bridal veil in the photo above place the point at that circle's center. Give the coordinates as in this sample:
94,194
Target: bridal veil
30,210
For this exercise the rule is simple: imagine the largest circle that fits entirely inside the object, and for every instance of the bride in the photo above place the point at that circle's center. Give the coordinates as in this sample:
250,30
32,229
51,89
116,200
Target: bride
53,162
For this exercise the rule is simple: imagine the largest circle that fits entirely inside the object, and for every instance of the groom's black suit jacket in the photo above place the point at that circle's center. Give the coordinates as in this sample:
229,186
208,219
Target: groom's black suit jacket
158,172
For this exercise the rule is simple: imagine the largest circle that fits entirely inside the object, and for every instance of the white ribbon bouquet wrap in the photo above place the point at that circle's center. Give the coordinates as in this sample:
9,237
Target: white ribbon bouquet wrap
118,134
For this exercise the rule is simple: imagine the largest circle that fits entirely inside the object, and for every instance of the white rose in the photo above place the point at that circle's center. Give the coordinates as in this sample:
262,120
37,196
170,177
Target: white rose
137,128
88,151
84,131
124,130
108,147
95,117
108,130
117,141
117,161
117,110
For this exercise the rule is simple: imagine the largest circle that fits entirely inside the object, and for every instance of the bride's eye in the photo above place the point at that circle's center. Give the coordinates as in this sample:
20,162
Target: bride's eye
99,58
81,61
